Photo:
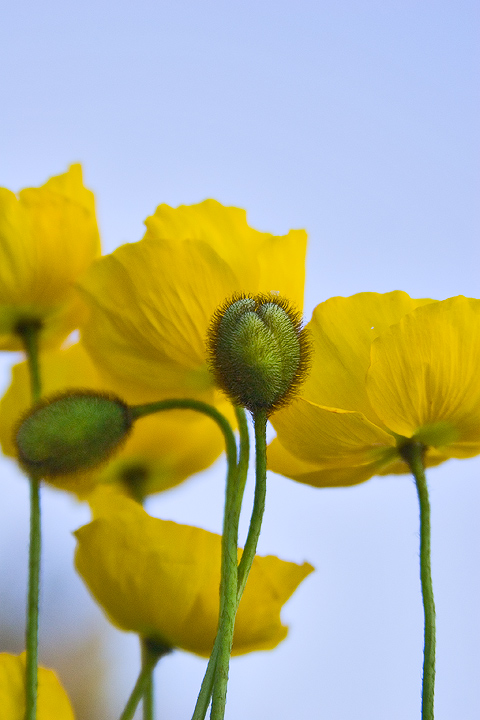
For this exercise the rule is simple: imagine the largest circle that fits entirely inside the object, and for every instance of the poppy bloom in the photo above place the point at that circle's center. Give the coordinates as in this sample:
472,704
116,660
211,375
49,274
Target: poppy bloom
151,302
386,369
48,238
160,579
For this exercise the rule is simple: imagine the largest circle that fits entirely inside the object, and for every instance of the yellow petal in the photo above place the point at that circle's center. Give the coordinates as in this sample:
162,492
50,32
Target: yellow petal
261,262
281,262
289,465
424,379
151,304
48,238
152,301
329,436
327,447
342,330
53,703
161,580
270,584
284,463
162,451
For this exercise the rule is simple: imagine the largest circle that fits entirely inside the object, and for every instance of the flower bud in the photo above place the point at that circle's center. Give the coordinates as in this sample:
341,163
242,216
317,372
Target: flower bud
71,432
258,351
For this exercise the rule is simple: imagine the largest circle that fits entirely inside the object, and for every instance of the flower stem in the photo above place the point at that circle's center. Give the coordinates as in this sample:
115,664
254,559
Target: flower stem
260,421
29,335
219,695
219,659
151,653
35,546
228,598
243,461
413,454
148,694
234,501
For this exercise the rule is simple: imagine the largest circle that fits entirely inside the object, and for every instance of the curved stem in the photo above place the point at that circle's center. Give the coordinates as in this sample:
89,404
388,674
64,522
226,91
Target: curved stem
413,454
260,421
139,411
152,651
219,695
29,332
228,593
233,511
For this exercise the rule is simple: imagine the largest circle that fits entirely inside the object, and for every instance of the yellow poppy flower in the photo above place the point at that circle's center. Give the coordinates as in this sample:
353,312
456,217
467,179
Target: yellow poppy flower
48,238
53,703
162,450
386,368
151,302
161,580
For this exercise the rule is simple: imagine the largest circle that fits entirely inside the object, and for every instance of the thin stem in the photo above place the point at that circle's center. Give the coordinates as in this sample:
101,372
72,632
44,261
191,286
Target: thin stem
219,695
244,457
148,694
152,652
29,332
203,700
34,557
234,501
138,411
413,454
260,422
228,583
228,597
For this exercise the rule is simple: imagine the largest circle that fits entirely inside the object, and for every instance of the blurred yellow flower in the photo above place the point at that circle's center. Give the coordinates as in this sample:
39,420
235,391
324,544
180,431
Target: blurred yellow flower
53,703
386,368
48,238
152,301
162,450
161,580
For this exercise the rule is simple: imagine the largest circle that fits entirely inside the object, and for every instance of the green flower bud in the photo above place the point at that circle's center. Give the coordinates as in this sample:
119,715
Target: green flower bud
258,351
71,432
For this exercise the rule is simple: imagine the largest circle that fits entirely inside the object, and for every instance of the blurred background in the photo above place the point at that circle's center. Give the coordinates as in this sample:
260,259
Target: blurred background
358,121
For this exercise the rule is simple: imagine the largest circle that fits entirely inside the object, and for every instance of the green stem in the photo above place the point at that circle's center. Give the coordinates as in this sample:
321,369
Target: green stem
219,695
413,454
243,462
148,695
228,598
29,332
233,509
260,421
34,556
151,654
138,411
229,538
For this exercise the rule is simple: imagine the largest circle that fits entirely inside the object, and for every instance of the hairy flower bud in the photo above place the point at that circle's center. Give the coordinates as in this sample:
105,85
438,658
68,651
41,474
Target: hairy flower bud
71,432
258,351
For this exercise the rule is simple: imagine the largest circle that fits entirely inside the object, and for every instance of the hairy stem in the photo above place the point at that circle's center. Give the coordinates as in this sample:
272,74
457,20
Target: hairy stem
413,454
29,332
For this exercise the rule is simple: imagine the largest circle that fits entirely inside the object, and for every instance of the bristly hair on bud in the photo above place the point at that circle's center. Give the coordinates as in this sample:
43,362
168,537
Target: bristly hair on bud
258,350
72,431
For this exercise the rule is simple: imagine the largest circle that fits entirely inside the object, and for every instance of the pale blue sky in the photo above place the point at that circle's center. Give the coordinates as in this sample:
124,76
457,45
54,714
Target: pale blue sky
359,122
